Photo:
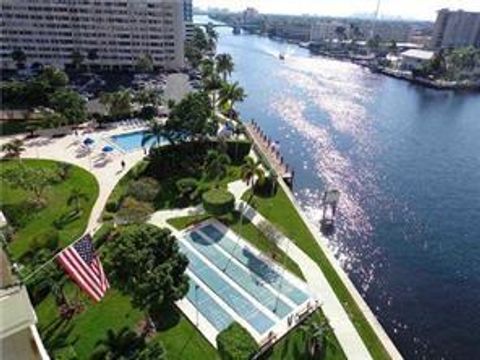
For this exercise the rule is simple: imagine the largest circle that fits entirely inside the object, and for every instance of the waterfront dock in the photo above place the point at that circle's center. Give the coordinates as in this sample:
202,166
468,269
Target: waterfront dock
270,150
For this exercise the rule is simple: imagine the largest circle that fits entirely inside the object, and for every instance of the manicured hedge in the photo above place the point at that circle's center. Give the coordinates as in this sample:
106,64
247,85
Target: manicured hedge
236,343
218,202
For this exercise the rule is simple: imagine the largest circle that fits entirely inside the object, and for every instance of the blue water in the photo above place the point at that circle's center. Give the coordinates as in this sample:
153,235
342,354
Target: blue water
133,141
407,162
260,267
232,297
241,275
208,307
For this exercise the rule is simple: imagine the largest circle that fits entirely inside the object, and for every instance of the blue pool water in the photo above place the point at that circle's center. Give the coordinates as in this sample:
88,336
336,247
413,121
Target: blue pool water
207,306
133,141
258,266
232,297
242,275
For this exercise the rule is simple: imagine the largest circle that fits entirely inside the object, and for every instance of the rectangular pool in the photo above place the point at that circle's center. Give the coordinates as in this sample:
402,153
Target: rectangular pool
231,281
133,141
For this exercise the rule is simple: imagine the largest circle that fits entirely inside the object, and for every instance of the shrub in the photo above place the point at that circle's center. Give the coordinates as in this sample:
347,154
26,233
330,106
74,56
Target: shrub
48,239
107,216
187,186
112,206
66,353
138,169
148,112
133,212
218,202
64,170
18,215
236,343
145,189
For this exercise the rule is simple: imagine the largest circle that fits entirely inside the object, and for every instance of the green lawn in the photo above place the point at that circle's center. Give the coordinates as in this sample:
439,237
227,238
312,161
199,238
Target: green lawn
280,211
179,337
55,216
249,232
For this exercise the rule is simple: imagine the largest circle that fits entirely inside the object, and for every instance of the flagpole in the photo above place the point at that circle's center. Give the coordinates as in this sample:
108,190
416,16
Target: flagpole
48,262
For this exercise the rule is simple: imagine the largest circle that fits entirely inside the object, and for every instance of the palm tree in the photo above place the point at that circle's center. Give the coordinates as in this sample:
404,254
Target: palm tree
230,94
224,65
13,149
156,132
314,337
212,84
77,59
216,164
19,57
75,199
52,119
251,170
207,68
121,345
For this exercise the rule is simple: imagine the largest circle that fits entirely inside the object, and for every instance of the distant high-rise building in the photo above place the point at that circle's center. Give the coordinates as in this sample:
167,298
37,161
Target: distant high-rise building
456,29
108,34
188,17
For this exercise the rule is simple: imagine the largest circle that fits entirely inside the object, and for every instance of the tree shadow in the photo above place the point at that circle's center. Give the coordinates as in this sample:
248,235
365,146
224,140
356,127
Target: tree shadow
165,318
66,219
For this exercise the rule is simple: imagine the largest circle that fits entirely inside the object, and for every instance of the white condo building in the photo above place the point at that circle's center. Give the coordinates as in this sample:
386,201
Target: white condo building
108,33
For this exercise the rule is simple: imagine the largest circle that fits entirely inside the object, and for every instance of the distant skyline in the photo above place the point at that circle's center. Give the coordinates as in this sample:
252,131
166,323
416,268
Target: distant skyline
405,9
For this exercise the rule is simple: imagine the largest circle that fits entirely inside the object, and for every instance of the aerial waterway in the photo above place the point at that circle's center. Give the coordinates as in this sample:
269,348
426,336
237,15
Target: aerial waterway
406,160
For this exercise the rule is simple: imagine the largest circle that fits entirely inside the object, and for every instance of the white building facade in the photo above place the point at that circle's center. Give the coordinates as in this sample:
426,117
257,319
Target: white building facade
109,34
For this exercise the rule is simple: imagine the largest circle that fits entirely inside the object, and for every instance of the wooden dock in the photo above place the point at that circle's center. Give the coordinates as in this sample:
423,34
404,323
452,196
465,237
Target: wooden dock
270,150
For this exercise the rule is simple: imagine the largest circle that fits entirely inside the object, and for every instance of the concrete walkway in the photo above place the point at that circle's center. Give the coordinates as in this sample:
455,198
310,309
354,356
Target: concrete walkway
106,168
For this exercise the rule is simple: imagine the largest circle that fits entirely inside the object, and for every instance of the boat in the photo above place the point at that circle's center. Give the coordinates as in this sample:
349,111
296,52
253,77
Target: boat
281,56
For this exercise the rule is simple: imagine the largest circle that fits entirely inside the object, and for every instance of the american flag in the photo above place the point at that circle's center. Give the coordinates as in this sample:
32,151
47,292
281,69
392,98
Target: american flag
84,267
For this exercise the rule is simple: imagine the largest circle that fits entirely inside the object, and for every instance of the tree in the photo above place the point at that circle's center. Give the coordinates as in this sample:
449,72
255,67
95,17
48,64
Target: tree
216,164
199,39
75,199
393,46
19,57
147,97
314,337
250,170
145,63
54,78
13,148
77,59
119,345
340,32
193,55
133,211
230,94
33,180
51,118
118,103
374,43
70,105
224,65
146,263
190,119
156,132
212,84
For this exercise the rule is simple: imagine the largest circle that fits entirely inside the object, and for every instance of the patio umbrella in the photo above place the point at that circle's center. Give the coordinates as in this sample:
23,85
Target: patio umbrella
88,141
107,149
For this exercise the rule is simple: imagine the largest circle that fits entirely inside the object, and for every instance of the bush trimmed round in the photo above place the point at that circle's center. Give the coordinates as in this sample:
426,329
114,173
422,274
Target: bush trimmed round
218,202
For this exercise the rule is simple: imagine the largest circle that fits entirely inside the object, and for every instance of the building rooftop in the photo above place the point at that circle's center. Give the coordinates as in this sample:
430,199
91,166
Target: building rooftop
418,54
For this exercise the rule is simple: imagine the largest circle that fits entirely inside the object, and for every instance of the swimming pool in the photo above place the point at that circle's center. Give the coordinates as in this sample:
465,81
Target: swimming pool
230,281
133,141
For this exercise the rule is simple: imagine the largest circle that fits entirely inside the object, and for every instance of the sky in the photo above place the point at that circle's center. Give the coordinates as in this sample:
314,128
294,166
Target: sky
407,9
